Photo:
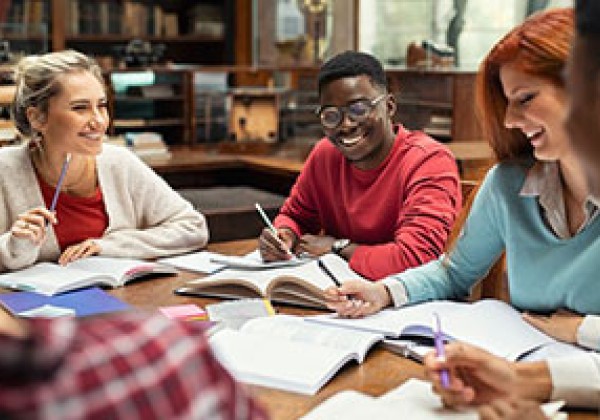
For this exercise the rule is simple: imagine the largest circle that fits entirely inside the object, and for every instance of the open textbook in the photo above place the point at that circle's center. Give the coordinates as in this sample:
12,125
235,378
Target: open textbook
299,285
288,353
50,279
490,324
412,400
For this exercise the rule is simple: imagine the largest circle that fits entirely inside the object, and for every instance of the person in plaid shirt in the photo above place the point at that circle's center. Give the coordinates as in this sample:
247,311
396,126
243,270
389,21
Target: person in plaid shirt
123,366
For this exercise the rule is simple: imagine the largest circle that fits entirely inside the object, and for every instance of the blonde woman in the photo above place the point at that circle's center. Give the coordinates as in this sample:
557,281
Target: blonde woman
110,203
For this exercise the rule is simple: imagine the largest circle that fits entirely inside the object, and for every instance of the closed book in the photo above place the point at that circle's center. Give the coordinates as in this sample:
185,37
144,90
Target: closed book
84,302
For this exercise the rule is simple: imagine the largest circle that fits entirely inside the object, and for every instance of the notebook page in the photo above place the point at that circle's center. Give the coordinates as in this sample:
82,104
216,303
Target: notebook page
276,362
496,327
200,262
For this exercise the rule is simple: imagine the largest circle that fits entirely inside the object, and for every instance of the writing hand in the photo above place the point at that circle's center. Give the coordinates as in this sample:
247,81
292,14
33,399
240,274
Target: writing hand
357,298
274,248
81,250
32,225
562,325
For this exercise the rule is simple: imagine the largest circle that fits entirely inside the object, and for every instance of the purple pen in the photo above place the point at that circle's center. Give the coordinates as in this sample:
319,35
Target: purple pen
439,350
61,178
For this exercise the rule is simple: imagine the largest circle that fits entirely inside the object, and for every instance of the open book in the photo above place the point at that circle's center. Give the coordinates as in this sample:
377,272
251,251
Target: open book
300,285
50,279
490,324
288,353
413,400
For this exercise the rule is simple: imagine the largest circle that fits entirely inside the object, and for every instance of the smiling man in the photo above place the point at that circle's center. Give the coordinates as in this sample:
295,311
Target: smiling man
382,197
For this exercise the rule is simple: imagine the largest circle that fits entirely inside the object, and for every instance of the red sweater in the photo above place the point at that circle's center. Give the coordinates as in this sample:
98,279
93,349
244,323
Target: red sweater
79,218
400,212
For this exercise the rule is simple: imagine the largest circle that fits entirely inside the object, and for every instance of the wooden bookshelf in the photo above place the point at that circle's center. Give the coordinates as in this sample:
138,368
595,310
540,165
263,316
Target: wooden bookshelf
192,32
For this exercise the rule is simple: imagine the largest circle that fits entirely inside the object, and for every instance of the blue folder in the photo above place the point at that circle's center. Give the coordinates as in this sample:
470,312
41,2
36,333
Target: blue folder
84,302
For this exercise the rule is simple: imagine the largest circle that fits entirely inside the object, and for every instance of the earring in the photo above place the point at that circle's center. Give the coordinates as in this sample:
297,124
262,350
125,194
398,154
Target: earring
37,140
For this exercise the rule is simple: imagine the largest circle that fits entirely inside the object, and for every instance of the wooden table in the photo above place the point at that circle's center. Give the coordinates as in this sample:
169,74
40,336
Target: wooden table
380,372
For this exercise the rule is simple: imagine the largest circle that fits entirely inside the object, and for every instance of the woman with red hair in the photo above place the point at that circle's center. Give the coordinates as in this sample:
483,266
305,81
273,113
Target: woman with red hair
533,204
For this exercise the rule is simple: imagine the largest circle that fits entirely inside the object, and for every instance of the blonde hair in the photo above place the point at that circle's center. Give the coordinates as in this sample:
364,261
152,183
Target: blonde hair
36,78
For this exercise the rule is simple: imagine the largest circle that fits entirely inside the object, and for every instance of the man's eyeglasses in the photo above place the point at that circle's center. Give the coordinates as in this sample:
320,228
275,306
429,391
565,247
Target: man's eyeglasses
332,116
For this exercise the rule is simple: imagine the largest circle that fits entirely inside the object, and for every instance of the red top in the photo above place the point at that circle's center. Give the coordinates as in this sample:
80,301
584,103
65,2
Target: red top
400,212
79,218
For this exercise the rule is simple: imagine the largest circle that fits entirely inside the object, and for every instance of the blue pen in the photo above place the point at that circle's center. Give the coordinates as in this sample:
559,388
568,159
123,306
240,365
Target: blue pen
61,178
439,350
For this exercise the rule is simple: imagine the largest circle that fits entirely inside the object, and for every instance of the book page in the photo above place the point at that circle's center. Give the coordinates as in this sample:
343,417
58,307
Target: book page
259,278
200,262
296,329
495,326
253,261
413,400
314,275
392,322
276,362
49,279
347,405
484,324
121,270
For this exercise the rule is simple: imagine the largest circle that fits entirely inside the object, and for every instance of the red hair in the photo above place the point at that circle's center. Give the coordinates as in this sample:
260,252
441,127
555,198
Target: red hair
540,47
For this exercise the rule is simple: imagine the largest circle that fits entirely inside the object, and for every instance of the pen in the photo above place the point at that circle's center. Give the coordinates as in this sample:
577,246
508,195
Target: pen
265,218
323,267
439,350
61,178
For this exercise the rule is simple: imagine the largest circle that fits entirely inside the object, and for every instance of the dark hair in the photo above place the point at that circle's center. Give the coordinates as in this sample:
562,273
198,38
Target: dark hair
350,64
540,47
587,17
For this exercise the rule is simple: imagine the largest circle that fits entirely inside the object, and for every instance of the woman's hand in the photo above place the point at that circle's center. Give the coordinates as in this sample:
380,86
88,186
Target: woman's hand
562,325
357,298
81,250
32,225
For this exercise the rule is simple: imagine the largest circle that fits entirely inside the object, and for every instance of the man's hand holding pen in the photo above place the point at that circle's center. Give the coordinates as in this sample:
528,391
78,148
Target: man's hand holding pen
276,248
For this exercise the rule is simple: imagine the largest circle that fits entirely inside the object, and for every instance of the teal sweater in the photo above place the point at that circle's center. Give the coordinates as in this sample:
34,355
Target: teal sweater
545,273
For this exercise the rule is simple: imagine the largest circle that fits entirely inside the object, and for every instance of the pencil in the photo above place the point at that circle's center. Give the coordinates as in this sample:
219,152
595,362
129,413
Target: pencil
323,267
61,178
265,218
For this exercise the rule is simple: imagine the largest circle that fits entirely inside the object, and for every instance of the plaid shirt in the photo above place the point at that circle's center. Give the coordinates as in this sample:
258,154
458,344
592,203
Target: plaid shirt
124,367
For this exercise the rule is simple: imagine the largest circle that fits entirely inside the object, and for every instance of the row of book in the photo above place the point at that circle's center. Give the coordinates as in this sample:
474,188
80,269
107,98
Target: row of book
23,16
132,18
110,17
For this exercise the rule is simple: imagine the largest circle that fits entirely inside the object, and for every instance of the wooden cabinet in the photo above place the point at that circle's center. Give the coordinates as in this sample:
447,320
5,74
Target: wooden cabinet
439,102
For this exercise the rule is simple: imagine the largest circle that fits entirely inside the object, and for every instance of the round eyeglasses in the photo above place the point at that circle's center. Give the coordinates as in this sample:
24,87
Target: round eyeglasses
358,111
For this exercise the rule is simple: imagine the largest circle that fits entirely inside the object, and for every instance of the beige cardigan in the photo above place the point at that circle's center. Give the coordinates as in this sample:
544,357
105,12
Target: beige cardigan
146,218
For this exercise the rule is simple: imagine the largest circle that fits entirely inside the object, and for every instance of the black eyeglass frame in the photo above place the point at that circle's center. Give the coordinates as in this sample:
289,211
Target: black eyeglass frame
342,110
